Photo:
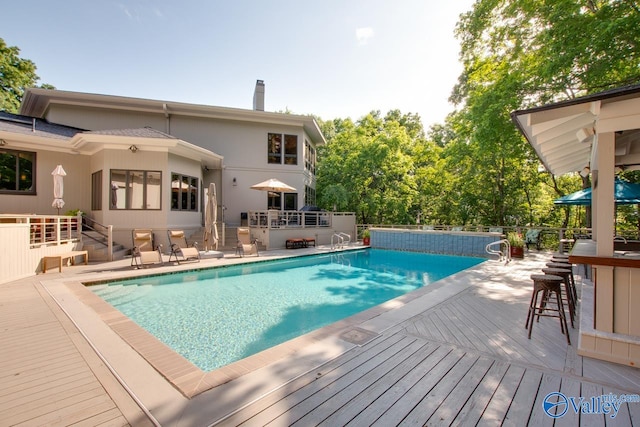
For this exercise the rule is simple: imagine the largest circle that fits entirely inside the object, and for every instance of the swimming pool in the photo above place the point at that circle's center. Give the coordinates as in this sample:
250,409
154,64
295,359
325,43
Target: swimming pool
216,316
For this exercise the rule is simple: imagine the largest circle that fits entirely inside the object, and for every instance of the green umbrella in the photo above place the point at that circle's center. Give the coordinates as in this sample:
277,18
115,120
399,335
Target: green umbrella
625,193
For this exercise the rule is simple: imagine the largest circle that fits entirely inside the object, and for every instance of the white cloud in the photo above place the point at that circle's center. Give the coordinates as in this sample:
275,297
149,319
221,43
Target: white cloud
363,35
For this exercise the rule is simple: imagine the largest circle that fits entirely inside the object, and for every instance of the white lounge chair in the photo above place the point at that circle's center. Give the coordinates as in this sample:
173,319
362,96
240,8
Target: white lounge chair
245,245
144,252
180,248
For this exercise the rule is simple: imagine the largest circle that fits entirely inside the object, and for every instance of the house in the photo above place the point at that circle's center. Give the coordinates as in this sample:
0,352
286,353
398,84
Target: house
597,134
134,162
256,145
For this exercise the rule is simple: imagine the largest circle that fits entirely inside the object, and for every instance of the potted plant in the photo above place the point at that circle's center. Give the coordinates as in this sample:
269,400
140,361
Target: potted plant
516,242
366,237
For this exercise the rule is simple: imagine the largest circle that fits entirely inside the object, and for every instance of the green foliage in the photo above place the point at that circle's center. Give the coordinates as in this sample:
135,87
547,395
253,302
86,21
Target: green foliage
16,74
515,240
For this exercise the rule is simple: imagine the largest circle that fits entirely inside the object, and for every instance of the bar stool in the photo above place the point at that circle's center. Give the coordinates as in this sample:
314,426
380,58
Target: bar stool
565,273
547,284
557,264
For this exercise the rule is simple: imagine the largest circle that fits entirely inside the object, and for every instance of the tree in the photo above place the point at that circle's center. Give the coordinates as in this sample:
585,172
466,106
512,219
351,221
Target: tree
521,53
368,167
16,74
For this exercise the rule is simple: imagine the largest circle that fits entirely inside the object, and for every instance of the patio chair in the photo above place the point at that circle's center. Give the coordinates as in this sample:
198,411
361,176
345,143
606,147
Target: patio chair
245,245
180,248
144,252
532,237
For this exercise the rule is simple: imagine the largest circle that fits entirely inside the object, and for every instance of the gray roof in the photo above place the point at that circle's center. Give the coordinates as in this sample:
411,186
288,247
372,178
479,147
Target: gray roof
26,125
145,132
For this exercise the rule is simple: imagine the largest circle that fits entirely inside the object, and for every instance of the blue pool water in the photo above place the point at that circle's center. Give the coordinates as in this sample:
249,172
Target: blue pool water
217,316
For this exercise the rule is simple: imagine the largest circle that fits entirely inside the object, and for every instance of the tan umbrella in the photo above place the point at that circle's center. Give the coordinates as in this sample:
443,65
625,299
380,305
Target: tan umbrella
273,185
211,219
58,187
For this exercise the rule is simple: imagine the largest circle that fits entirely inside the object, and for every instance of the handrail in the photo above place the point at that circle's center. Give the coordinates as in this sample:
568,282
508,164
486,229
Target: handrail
340,241
343,235
93,225
502,256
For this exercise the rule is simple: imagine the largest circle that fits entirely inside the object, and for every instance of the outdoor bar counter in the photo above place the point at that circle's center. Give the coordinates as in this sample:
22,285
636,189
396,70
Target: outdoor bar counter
609,318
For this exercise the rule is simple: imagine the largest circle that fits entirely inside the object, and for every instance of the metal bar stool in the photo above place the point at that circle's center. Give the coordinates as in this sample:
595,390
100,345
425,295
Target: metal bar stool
565,273
547,284
568,265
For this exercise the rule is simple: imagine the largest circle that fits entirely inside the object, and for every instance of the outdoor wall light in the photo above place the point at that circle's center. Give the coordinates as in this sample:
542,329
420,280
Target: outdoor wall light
585,171
133,148
3,142
235,181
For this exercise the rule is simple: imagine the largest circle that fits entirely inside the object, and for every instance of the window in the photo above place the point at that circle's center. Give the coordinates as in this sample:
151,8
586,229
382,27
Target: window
290,149
275,154
309,196
135,190
96,191
290,201
17,172
275,148
184,193
274,200
309,157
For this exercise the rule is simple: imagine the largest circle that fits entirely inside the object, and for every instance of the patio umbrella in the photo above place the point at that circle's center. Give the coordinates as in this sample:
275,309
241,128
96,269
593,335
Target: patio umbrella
273,185
114,195
58,187
210,220
625,193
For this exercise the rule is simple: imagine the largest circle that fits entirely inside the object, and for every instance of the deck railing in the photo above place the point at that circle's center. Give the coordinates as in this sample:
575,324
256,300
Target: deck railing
48,229
292,219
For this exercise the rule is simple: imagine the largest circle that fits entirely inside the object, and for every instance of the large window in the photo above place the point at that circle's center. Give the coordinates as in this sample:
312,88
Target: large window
134,190
290,201
17,172
184,192
309,157
309,196
282,149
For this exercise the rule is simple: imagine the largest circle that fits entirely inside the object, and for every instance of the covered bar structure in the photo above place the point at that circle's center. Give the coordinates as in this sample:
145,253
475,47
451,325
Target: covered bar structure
597,134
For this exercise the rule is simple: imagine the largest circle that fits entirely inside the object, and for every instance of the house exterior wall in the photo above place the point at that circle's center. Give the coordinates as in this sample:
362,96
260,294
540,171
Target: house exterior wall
76,185
242,144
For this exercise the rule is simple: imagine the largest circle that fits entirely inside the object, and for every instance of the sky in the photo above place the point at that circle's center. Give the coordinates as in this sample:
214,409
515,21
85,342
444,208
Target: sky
330,58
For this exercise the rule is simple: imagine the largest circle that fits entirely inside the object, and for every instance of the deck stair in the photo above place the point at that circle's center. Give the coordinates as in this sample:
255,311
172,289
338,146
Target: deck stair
96,244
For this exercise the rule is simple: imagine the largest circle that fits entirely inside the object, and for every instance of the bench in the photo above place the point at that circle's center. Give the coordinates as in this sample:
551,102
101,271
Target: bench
60,258
295,243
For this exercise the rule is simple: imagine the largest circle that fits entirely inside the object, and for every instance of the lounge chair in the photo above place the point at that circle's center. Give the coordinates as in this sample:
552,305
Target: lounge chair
532,237
144,252
245,245
180,249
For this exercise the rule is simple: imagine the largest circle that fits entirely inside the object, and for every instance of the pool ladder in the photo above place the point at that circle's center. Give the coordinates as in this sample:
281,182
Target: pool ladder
502,256
338,240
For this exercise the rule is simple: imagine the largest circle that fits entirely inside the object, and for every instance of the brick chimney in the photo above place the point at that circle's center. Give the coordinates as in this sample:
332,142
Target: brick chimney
258,96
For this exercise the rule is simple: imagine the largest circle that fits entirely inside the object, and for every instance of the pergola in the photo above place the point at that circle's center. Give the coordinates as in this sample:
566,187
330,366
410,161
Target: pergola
597,134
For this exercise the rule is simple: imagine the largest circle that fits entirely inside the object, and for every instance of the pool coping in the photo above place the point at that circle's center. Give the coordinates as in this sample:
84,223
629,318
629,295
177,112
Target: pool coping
166,382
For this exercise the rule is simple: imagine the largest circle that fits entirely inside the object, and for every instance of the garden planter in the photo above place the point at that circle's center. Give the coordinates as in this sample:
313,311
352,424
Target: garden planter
517,252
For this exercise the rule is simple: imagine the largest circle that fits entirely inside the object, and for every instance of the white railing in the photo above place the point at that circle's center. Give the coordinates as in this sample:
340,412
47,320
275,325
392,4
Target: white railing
290,219
26,239
48,229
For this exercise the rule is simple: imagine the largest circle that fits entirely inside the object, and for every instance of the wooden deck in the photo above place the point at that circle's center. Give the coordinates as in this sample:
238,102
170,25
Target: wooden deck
464,360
